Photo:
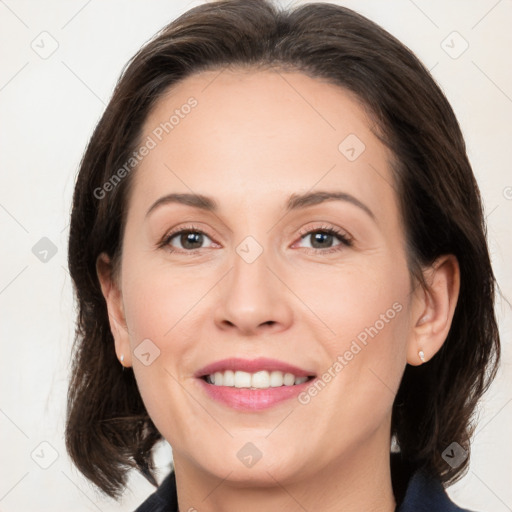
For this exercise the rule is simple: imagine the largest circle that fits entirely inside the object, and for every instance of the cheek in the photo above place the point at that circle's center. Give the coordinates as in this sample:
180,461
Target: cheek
357,302
159,308
157,298
365,311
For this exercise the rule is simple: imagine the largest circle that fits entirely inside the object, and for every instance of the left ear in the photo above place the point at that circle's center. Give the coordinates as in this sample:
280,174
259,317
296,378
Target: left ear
434,306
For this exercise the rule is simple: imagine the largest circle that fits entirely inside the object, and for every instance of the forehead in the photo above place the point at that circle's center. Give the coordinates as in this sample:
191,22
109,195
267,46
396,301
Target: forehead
259,135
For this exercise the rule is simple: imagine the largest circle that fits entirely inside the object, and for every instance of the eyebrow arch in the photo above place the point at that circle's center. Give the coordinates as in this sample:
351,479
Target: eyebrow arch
295,202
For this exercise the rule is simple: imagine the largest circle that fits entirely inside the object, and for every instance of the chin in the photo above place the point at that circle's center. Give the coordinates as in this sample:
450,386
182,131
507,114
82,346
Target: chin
258,464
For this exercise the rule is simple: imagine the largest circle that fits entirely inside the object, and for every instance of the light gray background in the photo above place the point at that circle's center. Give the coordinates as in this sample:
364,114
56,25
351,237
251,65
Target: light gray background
49,105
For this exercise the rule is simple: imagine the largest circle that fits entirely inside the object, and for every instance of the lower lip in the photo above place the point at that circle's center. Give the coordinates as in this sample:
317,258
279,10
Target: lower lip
246,399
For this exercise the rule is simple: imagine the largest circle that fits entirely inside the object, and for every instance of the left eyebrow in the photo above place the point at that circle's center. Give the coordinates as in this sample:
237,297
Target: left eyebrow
297,201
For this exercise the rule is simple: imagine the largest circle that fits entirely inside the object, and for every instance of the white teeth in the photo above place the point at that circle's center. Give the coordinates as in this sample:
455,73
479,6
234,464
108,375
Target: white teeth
258,380
276,379
242,380
288,379
229,378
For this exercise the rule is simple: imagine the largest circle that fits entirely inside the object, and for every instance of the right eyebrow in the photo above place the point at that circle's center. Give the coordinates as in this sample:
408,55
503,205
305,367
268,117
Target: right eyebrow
195,200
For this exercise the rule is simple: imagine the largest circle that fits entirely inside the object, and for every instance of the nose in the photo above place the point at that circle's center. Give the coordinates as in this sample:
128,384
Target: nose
253,299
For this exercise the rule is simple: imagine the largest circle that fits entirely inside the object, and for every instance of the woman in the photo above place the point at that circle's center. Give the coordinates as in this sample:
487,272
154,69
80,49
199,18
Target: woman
237,143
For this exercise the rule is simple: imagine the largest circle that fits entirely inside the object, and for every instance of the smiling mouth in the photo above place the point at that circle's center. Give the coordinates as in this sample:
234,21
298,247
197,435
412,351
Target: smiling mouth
258,380
253,385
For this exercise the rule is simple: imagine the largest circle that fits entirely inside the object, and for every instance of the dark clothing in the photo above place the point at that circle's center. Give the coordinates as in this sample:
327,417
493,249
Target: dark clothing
415,491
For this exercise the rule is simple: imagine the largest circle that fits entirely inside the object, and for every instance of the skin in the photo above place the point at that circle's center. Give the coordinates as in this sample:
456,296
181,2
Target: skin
254,139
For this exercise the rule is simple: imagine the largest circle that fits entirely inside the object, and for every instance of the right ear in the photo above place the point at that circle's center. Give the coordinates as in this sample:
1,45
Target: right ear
111,291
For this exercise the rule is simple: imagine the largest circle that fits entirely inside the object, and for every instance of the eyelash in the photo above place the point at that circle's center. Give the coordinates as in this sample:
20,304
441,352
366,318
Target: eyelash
343,237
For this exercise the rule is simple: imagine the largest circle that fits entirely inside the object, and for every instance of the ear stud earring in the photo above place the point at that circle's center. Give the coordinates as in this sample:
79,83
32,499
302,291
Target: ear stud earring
122,359
422,355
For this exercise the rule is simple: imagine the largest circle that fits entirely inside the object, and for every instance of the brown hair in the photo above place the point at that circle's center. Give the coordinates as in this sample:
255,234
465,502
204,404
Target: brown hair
108,430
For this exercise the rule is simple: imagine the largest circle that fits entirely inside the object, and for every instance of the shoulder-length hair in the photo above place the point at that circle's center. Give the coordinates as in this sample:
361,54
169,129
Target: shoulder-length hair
108,430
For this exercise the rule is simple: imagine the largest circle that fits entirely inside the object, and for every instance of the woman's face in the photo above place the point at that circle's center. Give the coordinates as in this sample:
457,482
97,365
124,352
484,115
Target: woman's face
260,286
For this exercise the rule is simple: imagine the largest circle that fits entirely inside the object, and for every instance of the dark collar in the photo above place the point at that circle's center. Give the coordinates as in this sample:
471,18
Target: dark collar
426,494
415,491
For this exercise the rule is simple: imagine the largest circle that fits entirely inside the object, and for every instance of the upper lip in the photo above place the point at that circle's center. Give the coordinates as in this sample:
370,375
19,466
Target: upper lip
252,366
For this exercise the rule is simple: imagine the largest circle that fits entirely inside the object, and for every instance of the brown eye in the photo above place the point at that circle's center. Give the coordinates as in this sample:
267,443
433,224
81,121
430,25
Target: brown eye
191,240
185,240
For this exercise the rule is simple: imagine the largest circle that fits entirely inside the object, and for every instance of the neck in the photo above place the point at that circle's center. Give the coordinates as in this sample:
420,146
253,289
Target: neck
359,481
